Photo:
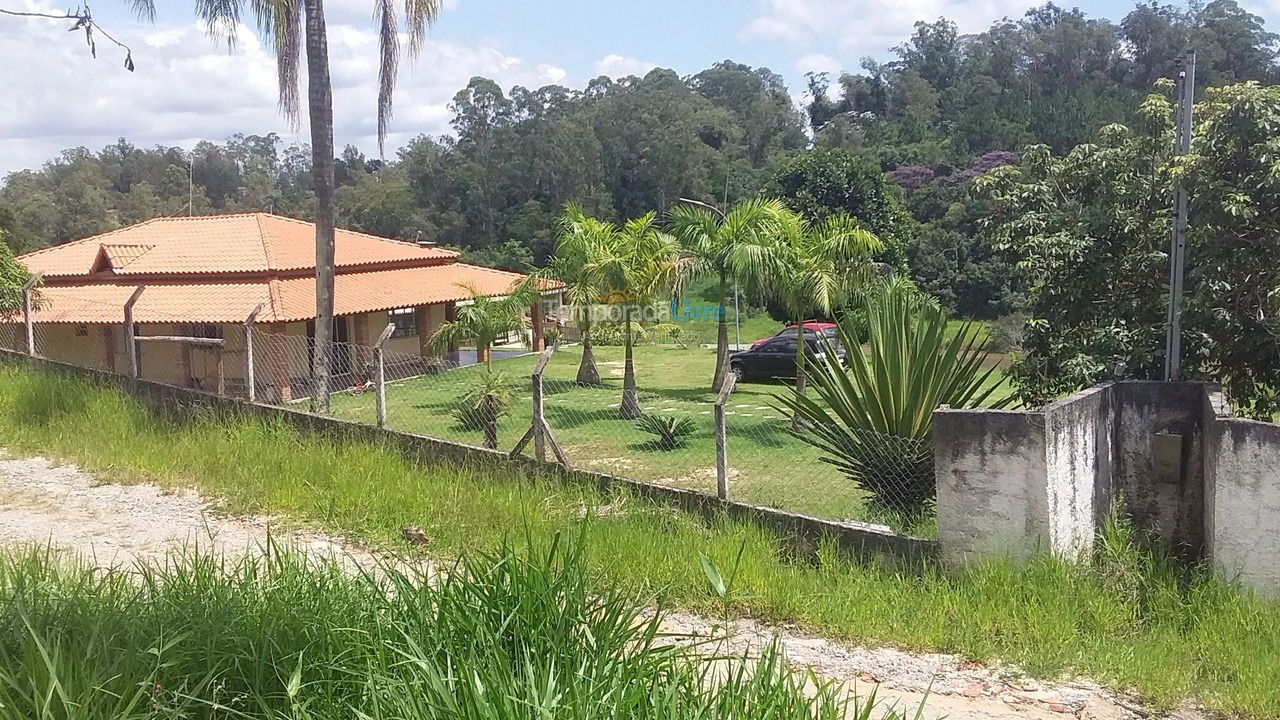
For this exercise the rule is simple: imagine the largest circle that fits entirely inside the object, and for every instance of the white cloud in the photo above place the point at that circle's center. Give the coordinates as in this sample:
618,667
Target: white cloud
188,87
617,66
869,27
818,63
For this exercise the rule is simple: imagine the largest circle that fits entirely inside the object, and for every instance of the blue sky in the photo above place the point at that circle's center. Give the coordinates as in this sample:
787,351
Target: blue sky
188,88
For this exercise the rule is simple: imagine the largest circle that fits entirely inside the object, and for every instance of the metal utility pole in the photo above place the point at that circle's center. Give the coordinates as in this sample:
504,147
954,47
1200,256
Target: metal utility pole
1178,242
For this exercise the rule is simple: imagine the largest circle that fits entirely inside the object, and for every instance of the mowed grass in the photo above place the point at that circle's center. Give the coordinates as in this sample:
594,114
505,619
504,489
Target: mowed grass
1130,620
769,466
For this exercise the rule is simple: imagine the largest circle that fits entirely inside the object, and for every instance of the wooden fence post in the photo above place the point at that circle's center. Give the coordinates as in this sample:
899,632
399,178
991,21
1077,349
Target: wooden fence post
130,332
539,415
250,381
539,431
28,309
381,369
722,444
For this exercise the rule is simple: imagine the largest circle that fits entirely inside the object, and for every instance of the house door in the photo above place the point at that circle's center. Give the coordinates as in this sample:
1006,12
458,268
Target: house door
341,361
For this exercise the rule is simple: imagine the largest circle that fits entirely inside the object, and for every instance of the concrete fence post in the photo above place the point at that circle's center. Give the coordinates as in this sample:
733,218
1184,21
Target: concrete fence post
28,311
380,367
131,332
251,381
722,441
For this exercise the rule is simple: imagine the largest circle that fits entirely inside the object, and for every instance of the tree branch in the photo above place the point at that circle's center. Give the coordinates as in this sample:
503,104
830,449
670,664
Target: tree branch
83,21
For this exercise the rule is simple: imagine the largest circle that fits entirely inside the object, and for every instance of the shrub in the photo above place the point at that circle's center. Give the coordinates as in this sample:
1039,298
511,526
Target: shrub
484,404
671,431
874,419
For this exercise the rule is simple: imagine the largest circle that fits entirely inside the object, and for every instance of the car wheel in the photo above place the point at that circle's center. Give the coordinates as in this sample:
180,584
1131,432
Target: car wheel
739,375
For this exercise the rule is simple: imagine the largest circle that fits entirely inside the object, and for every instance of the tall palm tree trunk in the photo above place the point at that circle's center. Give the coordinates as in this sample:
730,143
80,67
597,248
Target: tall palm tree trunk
484,354
320,114
630,409
722,335
588,373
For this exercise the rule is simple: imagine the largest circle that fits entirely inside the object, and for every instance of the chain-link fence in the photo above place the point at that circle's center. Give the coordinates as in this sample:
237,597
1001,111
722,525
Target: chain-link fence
665,432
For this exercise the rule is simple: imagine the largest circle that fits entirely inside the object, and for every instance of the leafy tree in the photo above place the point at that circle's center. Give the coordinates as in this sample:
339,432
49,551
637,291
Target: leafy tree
1233,257
826,183
734,247
12,278
1090,231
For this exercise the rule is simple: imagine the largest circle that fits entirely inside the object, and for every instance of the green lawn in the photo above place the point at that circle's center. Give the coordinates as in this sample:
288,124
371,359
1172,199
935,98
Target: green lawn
768,465
1129,620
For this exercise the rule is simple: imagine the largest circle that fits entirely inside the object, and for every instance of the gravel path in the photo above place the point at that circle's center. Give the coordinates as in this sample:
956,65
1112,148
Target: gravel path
42,502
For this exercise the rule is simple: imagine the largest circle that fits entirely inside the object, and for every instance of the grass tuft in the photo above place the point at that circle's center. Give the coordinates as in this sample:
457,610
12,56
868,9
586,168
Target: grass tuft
508,634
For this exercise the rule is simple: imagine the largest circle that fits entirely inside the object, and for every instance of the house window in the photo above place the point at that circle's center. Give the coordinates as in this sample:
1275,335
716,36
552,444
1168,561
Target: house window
405,320
82,331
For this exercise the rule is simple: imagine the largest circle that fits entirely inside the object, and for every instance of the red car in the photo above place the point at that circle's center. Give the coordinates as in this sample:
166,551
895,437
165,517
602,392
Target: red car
828,329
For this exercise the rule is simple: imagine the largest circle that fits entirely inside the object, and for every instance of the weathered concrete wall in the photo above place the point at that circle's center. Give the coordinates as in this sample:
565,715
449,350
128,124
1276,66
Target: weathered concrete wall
1242,509
1159,460
1011,484
1079,433
990,469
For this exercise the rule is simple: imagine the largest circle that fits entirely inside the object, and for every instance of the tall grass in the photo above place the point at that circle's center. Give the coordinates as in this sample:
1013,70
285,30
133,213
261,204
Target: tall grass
1131,619
512,634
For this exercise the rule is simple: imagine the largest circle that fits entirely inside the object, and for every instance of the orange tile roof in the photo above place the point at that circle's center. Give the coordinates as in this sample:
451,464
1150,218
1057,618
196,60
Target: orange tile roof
159,303
209,244
287,300
216,269
386,289
120,255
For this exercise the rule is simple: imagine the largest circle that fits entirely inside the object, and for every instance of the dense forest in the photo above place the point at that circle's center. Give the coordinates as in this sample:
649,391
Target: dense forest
897,145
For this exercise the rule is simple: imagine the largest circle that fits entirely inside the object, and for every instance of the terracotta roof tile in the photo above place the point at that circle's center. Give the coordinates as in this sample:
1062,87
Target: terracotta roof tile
244,243
120,255
387,289
288,300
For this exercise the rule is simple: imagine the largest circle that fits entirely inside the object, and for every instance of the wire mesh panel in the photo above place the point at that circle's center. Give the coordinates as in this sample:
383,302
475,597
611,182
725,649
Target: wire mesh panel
12,330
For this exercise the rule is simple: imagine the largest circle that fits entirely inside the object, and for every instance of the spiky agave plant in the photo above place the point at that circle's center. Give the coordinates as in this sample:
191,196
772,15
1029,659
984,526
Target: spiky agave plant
874,419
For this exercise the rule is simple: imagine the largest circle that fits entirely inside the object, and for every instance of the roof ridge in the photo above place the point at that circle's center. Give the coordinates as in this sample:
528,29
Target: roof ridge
266,246
371,236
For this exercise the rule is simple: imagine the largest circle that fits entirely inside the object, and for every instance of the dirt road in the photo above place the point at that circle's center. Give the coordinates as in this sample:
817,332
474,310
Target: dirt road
42,502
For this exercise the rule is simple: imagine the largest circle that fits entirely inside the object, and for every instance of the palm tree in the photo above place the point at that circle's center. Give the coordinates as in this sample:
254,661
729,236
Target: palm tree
486,319
817,267
737,247
288,27
579,236
637,264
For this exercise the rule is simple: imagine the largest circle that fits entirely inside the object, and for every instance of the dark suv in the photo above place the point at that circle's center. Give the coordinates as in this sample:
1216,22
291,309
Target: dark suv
776,357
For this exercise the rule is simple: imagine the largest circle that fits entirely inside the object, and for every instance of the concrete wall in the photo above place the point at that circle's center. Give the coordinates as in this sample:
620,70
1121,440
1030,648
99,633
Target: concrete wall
990,469
1203,483
1079,485
1013,483
1242,512
1159,466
